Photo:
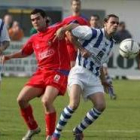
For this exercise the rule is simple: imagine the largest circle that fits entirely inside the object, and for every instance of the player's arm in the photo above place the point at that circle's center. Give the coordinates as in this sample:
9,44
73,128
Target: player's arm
74,40
60,33
19,54
73,37
79,31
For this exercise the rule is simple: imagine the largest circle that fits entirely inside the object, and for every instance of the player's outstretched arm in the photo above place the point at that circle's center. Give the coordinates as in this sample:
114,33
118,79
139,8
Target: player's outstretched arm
4,58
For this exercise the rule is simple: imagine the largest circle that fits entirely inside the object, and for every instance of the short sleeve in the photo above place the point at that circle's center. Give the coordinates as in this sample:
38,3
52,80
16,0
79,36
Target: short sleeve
82,32
27,48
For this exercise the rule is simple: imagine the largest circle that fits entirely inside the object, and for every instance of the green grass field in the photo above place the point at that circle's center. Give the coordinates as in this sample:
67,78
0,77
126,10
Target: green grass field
120,121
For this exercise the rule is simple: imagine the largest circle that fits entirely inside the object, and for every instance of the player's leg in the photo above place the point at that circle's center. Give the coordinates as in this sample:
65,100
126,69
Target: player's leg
98,101
28,93
50,114
56,85
74,98
93,91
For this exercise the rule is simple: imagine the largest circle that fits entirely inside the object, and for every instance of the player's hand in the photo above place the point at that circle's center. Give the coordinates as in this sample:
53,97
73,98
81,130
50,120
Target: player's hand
106,85
60,33
85,53
4,58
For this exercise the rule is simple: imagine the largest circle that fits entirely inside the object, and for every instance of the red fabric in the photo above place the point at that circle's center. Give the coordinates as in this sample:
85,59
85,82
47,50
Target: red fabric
76,19
49,52
72,52
43,78
28,117
50,123
70,47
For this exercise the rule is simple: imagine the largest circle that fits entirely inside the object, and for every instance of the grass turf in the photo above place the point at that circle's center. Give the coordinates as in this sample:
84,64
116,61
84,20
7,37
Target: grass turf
120,120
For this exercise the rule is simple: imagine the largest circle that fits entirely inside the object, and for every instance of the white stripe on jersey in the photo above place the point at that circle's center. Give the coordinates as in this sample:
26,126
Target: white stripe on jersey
95,41
4,33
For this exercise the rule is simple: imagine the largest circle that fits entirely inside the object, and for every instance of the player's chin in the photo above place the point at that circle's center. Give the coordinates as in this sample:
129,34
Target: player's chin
114,30
37,27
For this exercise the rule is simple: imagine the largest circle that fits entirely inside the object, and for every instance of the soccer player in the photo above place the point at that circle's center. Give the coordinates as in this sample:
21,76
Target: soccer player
76,17
4,41
50,78
84,76
95,23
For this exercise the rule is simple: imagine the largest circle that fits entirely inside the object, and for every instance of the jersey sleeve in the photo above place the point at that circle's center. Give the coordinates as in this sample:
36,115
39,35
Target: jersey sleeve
82,32
4,34
27,48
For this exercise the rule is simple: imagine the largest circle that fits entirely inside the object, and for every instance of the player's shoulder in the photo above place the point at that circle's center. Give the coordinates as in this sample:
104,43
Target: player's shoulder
68,17
84,20
98,30
56,26
83,17
33,37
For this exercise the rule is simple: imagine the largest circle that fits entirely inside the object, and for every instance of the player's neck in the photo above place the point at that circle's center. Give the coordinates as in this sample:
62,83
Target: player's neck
76,13
108,35
43,29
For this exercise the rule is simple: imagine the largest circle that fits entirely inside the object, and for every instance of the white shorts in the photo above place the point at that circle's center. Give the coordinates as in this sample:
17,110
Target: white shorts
89,83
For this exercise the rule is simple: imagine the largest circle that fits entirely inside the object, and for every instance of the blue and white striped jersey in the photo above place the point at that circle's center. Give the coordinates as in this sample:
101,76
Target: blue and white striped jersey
95,41
4,36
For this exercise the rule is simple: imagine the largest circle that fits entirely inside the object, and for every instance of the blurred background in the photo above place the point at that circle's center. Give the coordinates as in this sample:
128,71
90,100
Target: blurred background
127,10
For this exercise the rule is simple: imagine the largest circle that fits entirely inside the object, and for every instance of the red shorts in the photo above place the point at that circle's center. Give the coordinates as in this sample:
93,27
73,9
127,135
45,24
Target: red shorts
72,52
43,78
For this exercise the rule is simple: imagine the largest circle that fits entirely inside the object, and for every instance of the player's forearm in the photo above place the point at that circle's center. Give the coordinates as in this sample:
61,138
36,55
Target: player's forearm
16,55
69,27
102,76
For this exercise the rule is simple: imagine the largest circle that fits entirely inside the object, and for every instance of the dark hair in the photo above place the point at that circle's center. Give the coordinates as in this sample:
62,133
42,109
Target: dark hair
76,1
94,15
109,16
42,13
122,23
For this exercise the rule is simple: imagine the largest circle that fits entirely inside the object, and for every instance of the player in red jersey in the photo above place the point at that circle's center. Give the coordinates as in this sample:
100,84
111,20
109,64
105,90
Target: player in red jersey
76,17
50,78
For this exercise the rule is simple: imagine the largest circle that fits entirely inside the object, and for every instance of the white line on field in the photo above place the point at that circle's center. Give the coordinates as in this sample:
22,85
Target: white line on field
108,131
88,131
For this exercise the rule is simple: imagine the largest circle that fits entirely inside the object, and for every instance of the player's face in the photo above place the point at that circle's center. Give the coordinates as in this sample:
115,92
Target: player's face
76,6
94,22
38,22
111,25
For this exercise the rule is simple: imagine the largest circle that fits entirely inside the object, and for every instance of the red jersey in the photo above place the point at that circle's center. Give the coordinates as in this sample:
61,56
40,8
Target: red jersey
76,19
70,47
49,54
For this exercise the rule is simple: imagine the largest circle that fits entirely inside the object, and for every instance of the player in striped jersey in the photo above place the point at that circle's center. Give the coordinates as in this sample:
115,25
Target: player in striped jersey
95,23
84,77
